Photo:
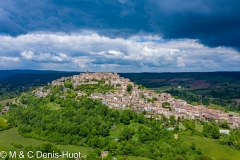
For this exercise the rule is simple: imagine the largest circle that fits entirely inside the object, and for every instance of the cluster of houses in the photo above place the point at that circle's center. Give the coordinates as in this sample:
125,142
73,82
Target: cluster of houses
41,92
60,81
147,100
5,110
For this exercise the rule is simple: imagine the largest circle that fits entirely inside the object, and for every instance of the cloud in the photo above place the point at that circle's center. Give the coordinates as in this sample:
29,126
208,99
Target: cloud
9,62
46,57
27,54
90,51
212,23
9,59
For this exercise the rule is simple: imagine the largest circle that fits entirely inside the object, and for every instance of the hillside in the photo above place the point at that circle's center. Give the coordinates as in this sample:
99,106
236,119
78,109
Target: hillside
217,90
71,111
14,82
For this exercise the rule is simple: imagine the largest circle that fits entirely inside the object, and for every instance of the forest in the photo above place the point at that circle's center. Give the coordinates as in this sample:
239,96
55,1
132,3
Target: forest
90,123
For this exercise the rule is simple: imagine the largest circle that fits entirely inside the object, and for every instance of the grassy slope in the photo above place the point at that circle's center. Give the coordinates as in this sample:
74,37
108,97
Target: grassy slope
199,127
161,89
3,122
11,136
134,158
211,148
114,133
8,137
54,106
3,102
208,146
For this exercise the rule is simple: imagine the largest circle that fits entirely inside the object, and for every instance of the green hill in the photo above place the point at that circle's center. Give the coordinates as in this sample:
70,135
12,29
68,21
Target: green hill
213,149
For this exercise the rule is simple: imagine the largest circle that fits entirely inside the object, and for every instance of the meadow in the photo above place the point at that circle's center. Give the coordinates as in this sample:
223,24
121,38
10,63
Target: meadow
10,139
3,122
53,106
4,102
215,150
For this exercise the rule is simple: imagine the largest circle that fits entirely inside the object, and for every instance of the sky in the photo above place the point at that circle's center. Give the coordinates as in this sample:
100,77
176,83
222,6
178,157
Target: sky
120,35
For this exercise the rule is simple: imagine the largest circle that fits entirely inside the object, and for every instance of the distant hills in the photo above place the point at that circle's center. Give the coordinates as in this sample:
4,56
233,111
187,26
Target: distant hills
148,79
6,73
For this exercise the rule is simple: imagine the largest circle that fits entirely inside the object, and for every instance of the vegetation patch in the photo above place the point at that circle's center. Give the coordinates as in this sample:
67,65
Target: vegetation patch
89,123
53,106
11,140
6,101
213,149
3,122
199,127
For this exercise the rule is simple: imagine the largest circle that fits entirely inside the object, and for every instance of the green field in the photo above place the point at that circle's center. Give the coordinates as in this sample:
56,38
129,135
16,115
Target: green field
133,158
116,130
3,122
199,127
3,102
53,106
214,150
161,89
11,136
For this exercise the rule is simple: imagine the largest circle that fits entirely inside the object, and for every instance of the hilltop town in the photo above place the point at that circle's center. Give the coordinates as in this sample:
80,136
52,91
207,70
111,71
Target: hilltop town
128,95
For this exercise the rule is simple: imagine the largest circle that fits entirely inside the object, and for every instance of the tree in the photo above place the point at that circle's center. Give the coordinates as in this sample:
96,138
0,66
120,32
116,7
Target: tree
193,146
112,145
124,118
49,148
166,105
150,100
103,130
93,156
68,84
172,120
141,87
84,131
207,130
129,87
144,112
140,118
126,134
225,124
194,103
94,142
142,95
128,148
189,124
176,97
215,132
154,98
144,133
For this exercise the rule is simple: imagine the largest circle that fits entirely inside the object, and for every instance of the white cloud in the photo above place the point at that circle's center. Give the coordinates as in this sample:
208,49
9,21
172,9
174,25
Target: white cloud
9,59
9,62
88,50
27,54
46,57
180,62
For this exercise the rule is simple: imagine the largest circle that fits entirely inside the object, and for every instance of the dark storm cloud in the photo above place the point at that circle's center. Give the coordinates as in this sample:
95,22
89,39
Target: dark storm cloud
213,23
